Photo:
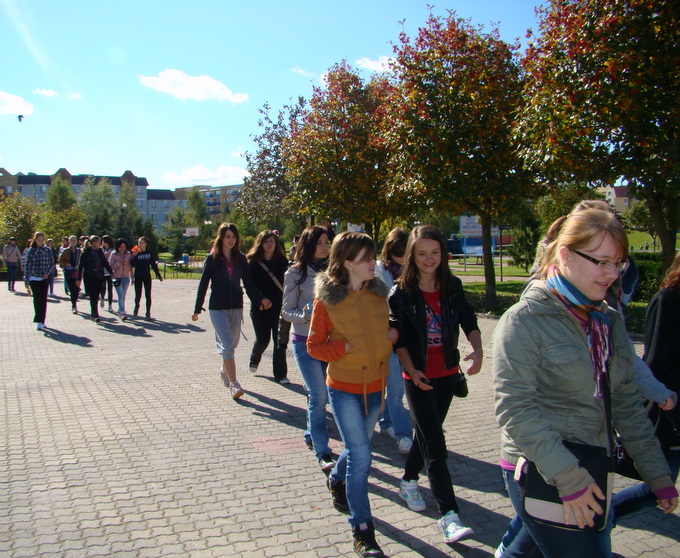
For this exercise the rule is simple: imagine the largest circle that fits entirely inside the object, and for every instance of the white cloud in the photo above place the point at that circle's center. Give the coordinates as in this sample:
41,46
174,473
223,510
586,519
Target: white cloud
382,64
198,174
302,72
198,88
75,96
14,105
239,152
45,92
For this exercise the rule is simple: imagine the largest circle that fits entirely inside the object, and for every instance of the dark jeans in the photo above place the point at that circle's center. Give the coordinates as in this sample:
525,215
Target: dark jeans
93,286
553,542
146,283
39,289
11,275
73,290
266,325
428,410
107,283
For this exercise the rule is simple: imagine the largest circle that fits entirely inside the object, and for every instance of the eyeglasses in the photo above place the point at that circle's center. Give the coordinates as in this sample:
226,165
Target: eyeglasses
619,266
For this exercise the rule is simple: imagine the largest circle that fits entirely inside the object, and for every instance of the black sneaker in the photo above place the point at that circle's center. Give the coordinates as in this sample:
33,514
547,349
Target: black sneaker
326,462
309,444
338,494
364,541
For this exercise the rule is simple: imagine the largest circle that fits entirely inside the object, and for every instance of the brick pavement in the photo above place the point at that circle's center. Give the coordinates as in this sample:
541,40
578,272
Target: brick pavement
119,439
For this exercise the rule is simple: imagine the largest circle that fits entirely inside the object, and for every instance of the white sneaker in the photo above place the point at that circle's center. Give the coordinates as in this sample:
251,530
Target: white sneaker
408,491
252,369
499,551
404,445
453,528
235,390
40,326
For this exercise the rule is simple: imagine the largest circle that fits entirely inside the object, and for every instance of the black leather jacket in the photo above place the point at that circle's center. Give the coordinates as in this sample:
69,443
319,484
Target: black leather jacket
407,315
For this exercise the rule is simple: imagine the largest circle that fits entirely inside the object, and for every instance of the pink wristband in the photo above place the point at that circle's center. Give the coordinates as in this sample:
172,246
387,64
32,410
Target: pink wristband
574,496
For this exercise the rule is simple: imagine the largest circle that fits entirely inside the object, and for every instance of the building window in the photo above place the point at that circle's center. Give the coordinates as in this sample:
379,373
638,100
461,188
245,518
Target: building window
166,217
154,217
140,203
166,203
152,203
43,188
8,189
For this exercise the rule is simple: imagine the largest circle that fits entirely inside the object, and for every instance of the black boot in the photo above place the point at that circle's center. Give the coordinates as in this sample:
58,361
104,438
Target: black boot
338,494
364,541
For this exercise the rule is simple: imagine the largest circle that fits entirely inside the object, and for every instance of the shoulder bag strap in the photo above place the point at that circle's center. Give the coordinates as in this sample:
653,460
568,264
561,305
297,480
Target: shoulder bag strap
276,281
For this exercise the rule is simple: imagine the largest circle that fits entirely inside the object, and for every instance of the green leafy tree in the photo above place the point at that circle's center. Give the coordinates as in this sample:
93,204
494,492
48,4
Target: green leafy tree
526,233
560,200
198,215
66,222
336,157
604,100
99,205
267,192
128,220
451,128
638,217
60,196
174,236
19,217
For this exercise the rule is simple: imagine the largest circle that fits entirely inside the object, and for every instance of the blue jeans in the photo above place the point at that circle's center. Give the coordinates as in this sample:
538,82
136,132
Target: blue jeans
314,375
354,464
12,269
395,414
553,542
121,291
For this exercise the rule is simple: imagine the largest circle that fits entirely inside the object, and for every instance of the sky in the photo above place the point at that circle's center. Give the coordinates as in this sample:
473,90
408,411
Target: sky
171,89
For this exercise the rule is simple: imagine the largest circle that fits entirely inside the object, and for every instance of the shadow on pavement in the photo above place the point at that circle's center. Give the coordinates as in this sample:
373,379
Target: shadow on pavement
654,520
64,337
164,327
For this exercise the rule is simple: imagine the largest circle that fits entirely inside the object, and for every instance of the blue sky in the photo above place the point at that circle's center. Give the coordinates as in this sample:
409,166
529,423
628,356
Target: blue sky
171,89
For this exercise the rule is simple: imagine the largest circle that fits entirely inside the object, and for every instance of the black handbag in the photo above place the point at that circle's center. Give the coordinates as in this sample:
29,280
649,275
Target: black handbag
542,500
461,389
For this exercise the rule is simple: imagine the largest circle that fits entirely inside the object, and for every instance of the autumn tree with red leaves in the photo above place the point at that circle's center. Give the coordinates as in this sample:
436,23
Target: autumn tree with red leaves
603,84
452,123
335,156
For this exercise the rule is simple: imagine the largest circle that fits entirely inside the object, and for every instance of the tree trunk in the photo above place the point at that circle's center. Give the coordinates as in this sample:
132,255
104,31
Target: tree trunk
665,225
489,272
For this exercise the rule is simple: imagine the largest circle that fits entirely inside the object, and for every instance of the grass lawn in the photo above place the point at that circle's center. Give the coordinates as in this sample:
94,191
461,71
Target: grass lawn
509,292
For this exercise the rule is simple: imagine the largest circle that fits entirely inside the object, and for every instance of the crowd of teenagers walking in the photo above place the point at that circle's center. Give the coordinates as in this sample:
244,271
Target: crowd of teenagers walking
575,405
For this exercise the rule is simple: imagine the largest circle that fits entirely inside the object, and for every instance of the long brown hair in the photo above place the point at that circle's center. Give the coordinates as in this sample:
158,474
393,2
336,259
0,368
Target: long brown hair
256,253
347,246
672,278
306,248
217,248
410,275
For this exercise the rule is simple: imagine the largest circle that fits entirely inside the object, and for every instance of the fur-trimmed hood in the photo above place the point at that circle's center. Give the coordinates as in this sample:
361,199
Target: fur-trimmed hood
330,292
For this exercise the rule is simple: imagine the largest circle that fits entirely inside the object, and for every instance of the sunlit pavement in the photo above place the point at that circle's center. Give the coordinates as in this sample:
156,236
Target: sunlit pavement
119,439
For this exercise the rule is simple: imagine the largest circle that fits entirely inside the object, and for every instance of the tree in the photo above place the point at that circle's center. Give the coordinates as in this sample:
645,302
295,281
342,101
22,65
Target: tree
60,196
451,130
198,216
99,205
604,92
560,200
638,217
56,224
267,192
19,217
174,235
128,221
526,233
335,156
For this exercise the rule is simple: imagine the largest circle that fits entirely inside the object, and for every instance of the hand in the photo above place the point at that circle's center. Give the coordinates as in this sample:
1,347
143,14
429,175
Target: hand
476,357
667,405
392,335
194,317
45,276
420,380
347,346
668,504
581,509
160,279
265,304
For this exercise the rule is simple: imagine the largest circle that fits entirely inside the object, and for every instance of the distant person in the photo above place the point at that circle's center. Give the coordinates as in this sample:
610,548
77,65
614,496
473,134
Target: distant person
91,268
311,258
11,256
395,421
268,265
291,253
143,261
64,246
224,269
69,260
53,272
38,263
350,330
107,285
121,264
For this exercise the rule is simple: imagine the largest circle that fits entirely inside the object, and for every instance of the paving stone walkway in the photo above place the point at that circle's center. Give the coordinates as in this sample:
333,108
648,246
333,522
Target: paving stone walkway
119,439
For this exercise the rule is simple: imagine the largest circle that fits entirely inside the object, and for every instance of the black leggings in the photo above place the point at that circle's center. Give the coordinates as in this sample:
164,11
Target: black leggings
146,283
39,289
108,282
